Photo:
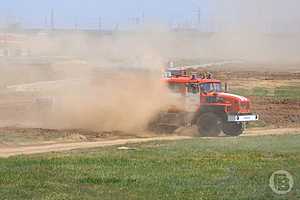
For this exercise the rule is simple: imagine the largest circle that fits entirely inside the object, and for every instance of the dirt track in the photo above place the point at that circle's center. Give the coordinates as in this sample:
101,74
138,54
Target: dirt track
7,152
264,132
59,147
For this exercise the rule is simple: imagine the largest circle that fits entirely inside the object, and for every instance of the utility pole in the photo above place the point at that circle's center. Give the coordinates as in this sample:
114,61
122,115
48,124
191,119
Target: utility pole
138,20
46,22
76,24
52,19
116,27
100,24
143,18
199,17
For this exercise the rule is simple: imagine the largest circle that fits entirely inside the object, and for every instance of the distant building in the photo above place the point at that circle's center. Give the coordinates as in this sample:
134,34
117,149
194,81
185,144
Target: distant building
12,45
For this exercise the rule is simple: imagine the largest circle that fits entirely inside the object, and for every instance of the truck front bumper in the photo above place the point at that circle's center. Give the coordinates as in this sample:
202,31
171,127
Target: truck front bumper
242,118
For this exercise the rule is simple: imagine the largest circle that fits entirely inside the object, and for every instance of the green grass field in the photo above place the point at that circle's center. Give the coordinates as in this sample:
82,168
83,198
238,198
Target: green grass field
284,92
221,168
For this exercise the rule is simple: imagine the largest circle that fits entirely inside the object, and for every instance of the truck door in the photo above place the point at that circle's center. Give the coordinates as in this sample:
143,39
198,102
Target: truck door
192,97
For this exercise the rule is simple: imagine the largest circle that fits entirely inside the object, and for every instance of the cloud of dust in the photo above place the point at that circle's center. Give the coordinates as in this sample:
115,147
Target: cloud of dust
122,88
120,85
261,31
126,101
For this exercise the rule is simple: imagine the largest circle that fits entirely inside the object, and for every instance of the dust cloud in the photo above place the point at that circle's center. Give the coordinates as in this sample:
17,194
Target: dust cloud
123,90
99,83
111,81
123,102
258,31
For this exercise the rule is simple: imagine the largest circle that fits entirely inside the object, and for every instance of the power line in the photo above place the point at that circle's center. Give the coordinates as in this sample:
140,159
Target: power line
46,22
76,25
100,24
143,18
52,19
199,16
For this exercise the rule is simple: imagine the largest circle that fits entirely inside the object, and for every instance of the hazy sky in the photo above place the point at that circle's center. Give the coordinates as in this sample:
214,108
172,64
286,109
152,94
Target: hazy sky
265,14
87,12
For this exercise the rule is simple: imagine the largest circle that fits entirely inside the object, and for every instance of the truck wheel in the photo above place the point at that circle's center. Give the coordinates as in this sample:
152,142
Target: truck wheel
209,124
165,123
162,129
233,129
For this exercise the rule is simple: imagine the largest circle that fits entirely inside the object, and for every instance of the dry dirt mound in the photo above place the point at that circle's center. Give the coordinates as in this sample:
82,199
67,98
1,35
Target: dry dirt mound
277,112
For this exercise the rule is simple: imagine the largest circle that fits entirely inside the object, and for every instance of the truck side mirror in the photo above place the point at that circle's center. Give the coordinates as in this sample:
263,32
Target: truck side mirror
226,87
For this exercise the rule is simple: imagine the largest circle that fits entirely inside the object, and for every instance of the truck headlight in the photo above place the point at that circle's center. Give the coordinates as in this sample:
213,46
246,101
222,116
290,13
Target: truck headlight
220,99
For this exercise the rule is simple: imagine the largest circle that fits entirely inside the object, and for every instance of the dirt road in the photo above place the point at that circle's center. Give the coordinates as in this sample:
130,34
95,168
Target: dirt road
7,152
58,147
264,132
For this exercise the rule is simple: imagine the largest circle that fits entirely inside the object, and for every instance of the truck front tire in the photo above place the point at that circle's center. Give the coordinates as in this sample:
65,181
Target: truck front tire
209,125
232,128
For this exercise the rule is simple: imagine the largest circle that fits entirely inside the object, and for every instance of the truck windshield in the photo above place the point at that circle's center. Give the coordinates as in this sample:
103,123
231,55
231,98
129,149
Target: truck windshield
211,87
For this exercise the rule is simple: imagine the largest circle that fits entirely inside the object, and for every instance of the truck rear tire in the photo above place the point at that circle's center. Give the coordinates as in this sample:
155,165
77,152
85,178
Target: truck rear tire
162,129
165,123
209,125
232,128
